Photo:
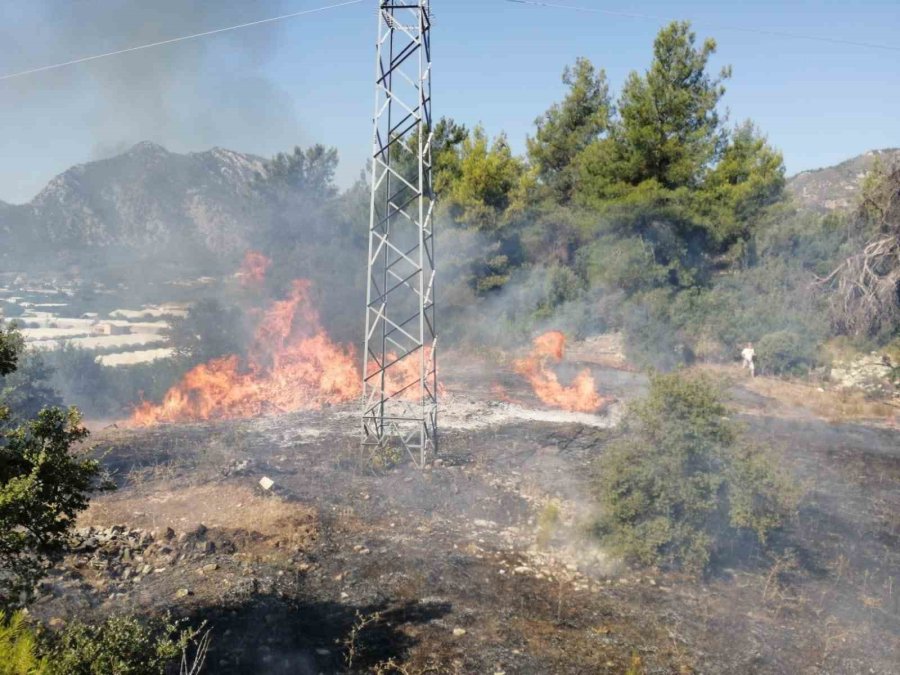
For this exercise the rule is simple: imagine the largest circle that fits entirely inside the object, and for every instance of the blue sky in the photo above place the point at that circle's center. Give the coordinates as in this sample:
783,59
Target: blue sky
308,79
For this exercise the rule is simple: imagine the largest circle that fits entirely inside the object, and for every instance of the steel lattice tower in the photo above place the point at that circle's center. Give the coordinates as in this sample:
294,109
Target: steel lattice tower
400,375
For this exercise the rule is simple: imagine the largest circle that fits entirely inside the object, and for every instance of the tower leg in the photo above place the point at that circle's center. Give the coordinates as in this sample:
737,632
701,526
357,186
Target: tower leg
399,368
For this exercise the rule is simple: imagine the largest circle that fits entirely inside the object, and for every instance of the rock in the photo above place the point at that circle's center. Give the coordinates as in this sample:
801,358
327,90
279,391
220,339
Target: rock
199,530
146,569
183,593
88,544
170,534
459,632
211,567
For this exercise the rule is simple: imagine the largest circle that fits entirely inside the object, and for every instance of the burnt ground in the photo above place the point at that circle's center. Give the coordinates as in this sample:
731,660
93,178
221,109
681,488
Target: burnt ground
483,563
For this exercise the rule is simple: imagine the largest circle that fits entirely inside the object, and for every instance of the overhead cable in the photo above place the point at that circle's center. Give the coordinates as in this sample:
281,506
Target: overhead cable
182,38
742,29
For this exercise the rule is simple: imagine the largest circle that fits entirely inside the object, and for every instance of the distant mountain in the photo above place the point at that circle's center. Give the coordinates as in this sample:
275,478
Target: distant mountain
145,199
836,187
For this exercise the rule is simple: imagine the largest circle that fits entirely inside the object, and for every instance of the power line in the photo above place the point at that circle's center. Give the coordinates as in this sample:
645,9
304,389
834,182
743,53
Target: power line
84,59
742,29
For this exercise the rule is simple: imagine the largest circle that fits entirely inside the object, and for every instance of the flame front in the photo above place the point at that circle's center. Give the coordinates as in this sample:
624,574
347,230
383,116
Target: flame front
292,365
549,348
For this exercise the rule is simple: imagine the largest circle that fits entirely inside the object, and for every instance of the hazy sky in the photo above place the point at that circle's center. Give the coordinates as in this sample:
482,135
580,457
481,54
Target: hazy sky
309,79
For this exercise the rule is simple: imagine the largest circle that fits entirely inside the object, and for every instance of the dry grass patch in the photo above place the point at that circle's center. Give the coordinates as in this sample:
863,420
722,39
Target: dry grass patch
216,506
834,406
829,404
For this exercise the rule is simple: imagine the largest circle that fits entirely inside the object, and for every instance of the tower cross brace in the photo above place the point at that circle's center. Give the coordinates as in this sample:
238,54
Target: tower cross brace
400,387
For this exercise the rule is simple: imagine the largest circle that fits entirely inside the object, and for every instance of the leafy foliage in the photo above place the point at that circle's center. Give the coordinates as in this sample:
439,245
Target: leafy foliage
786,353
19,653
567,128
669,129
122,645
682,481
651,215
9,350
482,186
43,486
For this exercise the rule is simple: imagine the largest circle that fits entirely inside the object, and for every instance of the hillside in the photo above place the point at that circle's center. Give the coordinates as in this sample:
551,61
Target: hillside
836,187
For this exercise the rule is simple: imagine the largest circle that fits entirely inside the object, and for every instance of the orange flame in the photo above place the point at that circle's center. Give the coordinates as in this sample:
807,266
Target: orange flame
252,272
580,396
292,365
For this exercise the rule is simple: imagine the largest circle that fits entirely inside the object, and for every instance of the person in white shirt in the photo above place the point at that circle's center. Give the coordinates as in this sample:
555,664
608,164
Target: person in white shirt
747,354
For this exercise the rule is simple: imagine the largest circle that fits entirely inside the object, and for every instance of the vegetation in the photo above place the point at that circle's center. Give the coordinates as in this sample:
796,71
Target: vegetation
19,647
647,212
683,483
866,301
25,387
44,484
122,645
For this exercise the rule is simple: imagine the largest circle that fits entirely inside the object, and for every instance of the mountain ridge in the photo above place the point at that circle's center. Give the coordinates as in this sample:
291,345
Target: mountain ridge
159,202
836,187
146,196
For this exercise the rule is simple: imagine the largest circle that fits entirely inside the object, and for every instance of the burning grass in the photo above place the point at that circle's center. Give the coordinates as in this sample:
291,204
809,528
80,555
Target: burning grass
549,349
292,365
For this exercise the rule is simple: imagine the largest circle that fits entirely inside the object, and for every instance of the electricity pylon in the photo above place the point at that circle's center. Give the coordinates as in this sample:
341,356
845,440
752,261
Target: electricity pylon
399,368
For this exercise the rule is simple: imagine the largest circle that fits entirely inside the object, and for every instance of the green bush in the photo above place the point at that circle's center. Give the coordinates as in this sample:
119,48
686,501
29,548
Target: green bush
43,487
786,353
682,481
122,645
